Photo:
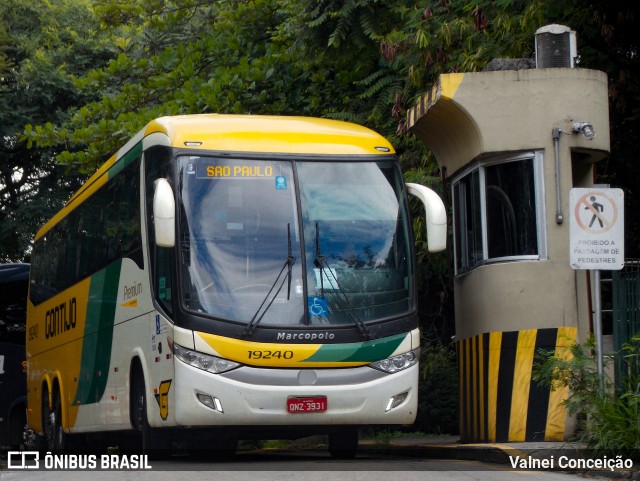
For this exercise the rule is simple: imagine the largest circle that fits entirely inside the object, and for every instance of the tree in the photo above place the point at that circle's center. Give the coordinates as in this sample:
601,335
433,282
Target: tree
419,41
608,41
220,60
43,46
360,60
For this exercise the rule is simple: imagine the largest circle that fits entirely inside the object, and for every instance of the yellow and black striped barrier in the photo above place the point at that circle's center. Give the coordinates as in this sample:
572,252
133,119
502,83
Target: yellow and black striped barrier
499,402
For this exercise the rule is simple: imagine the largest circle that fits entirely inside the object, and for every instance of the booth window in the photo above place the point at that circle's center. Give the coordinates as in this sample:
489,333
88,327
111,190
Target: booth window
497,212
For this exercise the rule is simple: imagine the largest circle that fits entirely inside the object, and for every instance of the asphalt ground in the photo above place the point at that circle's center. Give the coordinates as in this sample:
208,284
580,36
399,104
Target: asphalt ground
558,456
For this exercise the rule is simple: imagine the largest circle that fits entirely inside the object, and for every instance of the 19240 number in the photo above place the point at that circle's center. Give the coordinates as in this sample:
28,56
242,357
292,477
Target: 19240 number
270,354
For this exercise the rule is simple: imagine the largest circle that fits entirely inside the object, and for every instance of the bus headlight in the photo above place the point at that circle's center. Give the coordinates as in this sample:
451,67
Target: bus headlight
397,363
213,364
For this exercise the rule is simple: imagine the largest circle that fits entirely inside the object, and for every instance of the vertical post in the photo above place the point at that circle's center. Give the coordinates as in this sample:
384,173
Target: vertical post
555,134
597,326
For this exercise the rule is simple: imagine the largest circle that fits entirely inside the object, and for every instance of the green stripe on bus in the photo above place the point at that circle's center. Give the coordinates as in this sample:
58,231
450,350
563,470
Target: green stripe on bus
369,351
126,159
96,348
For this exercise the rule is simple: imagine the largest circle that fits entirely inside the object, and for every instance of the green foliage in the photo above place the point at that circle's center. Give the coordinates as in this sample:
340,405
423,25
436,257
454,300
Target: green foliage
91,74
608,40
438,399
43,46
575,369
226,64
362,60
609,418
435,284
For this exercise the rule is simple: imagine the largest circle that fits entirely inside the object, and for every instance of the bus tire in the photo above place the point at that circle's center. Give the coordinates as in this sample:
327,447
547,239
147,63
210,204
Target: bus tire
153,442
52,421
343,444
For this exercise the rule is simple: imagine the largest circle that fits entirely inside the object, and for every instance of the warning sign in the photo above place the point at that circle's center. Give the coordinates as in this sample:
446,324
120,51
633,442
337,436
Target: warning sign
597,229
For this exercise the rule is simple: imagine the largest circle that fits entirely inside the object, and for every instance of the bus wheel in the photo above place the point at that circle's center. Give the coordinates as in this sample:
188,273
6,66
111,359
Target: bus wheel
153,442
343,444
53,432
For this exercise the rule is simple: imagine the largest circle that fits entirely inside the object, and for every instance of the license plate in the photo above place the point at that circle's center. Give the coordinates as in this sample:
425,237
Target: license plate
307,404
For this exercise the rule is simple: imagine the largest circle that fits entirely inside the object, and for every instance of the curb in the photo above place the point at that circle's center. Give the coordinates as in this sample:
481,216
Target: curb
491,454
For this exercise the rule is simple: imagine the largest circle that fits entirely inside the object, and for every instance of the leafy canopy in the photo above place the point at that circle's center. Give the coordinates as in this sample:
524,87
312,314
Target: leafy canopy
360,60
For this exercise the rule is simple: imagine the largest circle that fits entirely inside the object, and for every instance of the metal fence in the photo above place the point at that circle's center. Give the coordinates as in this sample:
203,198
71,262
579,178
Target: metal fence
626,319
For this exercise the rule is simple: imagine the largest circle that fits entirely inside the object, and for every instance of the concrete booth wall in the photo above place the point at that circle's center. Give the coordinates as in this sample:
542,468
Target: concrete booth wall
509,144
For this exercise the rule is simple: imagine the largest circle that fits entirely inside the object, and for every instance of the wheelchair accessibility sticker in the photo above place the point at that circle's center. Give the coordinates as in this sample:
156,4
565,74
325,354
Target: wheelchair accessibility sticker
318,306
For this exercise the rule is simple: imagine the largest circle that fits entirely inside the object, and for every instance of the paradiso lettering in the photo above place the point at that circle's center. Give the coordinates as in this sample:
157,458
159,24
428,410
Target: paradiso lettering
60,319
239,171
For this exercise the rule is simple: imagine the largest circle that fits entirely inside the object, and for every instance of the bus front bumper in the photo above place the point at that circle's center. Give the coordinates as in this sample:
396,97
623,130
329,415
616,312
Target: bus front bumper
258,396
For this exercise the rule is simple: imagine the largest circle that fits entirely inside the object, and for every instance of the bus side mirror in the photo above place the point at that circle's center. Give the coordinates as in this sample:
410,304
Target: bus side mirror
436,216
164,214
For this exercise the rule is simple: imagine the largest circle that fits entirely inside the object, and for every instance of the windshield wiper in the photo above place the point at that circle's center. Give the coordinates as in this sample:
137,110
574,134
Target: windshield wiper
319,260
290,261
339,296
288,264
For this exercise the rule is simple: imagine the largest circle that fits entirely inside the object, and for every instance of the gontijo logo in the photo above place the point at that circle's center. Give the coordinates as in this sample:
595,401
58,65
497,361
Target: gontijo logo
60,318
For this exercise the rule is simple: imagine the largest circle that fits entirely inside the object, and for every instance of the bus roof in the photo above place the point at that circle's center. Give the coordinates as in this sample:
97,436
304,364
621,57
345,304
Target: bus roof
238,134
274,134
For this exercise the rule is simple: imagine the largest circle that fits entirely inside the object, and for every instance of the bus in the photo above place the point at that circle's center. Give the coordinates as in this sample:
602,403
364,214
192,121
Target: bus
14,283
229,277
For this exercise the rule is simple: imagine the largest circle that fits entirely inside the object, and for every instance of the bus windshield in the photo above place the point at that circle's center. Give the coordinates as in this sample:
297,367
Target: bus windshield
247,253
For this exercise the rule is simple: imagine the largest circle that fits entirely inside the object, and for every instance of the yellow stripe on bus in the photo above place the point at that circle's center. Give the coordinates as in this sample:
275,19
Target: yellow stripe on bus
78,200
270,354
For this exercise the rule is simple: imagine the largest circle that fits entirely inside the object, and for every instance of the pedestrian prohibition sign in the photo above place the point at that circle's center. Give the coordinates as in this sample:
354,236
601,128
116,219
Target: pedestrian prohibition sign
596,228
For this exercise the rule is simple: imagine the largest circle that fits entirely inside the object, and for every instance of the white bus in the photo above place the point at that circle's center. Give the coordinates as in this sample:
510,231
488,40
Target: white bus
230,277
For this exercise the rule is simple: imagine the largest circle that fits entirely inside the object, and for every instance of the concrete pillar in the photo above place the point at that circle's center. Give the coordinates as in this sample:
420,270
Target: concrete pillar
511,301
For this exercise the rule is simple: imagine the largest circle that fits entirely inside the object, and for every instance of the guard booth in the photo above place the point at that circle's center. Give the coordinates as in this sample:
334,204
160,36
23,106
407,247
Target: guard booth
512,143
